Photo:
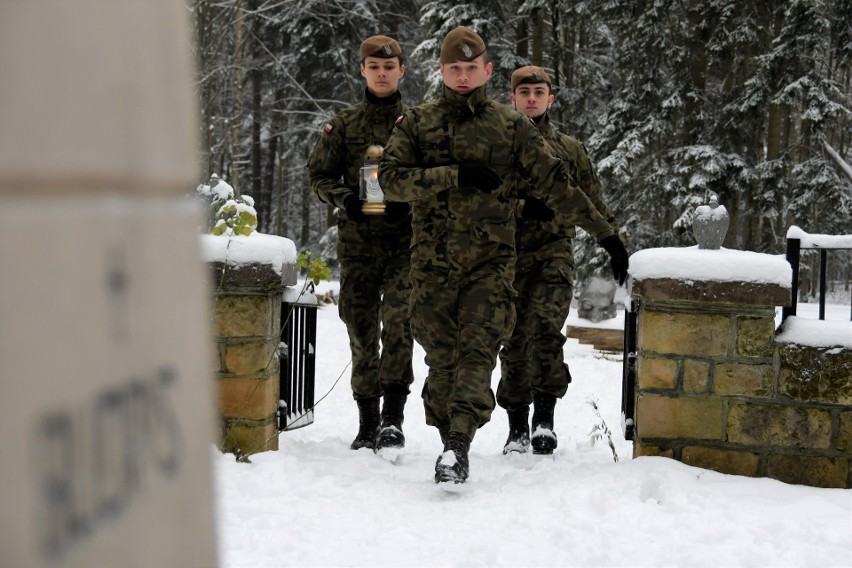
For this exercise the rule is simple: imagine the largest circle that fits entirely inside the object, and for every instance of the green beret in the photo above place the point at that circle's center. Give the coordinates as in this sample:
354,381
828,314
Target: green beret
529,74
461,44
379,46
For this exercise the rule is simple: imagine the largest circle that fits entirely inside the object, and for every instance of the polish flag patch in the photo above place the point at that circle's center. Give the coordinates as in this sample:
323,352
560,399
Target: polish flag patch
399,119
327,128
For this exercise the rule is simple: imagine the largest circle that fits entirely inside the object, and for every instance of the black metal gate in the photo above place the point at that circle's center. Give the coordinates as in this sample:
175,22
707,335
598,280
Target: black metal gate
297,356
794,246
628,374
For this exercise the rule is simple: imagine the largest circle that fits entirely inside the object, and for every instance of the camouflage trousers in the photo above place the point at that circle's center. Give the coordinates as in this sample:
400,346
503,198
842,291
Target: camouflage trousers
532,358
461,327
374,296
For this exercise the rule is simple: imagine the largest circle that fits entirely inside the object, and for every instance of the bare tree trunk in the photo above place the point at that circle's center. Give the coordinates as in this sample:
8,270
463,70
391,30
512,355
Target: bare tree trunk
256,147
522,47
562,56
307,195
763,234
237,115
270,190
537,37
202,20
773,132
280,200
698,78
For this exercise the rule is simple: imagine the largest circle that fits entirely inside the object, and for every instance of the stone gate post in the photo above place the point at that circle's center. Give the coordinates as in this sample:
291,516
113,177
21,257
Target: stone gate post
715,389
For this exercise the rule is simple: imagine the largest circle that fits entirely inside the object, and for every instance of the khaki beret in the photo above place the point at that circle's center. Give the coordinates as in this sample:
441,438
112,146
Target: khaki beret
529,74
379,46
461,44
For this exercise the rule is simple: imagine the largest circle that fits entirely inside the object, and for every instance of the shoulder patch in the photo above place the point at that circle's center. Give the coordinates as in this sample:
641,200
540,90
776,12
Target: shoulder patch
399,119
327,128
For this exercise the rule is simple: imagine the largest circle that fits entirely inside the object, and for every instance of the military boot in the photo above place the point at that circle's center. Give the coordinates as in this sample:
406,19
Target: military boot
368,413
543,437
452,465
519,430
390,435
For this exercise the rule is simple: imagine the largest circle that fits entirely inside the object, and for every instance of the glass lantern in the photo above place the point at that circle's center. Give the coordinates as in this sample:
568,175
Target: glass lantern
372,196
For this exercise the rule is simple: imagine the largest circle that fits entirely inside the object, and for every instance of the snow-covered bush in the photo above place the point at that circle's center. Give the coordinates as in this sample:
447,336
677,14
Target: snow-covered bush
231,215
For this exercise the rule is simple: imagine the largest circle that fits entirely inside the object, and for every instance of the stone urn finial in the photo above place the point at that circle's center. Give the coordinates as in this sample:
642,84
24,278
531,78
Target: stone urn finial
710,224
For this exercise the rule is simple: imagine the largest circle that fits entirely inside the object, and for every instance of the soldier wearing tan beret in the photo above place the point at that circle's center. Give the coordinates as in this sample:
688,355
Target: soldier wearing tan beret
533,369
372,248
454,161
381,47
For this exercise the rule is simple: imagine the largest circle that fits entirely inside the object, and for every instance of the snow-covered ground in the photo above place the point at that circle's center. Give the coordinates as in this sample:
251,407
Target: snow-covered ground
317,503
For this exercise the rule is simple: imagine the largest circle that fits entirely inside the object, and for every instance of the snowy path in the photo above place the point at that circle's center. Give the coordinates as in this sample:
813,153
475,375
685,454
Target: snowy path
317,503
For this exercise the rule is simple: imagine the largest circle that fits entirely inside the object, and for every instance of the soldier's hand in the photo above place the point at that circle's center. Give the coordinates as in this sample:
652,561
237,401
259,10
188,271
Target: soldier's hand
536,209
353,209
619,260
480,176
396,210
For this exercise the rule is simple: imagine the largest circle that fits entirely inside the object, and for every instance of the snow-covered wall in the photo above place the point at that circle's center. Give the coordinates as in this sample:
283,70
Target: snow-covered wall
714,387
723,265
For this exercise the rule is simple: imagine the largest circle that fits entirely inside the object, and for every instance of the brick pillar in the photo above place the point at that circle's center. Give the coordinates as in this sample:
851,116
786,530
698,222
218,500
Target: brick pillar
716,388
247,330
698,343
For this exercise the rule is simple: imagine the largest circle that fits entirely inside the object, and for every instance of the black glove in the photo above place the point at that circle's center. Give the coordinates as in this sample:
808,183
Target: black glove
619,261
536,209
353,209
396,210
480,176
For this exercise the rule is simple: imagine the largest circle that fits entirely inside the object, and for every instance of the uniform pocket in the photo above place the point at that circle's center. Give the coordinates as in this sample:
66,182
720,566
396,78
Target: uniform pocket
503,233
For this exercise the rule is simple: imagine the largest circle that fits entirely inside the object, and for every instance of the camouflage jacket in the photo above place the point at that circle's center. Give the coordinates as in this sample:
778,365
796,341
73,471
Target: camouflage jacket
460,231
334,168
536,240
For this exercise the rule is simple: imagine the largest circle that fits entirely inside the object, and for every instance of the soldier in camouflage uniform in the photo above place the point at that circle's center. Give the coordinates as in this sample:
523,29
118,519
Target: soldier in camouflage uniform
373,250
453,160
532,363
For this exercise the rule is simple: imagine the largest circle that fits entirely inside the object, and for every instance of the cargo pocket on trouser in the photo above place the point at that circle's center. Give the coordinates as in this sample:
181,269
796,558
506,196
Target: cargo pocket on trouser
486,317
550,302
397,343
434,328
436,401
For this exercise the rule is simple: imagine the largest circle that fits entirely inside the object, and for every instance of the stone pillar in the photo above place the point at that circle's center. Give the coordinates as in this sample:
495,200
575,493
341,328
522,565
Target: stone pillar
106,402
716,390
695,338
247,331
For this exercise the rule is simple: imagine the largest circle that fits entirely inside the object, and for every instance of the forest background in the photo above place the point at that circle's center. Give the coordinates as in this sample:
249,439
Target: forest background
674,100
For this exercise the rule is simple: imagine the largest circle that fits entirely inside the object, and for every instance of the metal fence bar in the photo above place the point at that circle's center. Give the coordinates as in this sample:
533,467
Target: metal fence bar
310,357
793,257
823,276
628,378
297,364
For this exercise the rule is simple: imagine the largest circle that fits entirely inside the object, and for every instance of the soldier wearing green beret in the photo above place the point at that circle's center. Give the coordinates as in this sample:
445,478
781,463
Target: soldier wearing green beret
454,161
372,248
533,369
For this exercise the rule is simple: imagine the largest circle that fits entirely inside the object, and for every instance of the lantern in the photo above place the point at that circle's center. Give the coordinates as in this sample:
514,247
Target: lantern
372,196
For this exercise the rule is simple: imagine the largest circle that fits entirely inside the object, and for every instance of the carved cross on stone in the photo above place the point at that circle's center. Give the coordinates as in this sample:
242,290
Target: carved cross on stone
710,224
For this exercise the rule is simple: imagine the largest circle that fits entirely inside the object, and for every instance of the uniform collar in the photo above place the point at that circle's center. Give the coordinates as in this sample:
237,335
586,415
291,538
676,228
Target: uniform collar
544,126
473,101
383,105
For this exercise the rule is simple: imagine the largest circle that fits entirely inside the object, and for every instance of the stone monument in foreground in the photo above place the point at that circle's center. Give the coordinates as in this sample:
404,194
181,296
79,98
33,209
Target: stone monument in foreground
106,400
